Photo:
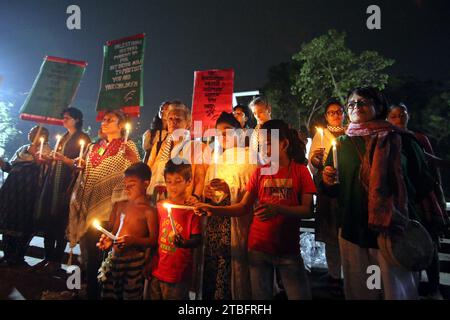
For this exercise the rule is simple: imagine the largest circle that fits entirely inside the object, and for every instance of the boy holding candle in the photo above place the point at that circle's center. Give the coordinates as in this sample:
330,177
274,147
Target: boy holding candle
179,233
134,224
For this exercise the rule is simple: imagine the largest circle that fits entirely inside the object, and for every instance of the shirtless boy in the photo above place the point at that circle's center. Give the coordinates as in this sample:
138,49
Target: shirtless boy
135,224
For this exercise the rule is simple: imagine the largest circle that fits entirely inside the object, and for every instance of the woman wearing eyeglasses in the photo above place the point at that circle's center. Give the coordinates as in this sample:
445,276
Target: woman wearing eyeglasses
377,192
326,229
98,188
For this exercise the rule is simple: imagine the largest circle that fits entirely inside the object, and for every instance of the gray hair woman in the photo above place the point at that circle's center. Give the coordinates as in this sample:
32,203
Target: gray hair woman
376,193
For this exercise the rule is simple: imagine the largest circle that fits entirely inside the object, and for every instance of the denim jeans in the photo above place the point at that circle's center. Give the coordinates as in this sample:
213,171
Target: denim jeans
291,270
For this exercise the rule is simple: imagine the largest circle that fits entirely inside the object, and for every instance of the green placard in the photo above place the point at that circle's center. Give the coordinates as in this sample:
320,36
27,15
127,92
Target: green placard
53,90
123,75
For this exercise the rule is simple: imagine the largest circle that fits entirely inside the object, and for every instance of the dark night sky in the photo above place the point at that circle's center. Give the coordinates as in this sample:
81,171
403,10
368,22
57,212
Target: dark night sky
183,36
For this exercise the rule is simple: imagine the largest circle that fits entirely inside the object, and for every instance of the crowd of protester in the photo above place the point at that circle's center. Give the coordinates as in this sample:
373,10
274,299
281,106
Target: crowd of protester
221,217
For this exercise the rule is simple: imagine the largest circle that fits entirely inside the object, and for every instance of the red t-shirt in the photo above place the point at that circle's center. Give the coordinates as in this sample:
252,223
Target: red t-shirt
172,264
280,234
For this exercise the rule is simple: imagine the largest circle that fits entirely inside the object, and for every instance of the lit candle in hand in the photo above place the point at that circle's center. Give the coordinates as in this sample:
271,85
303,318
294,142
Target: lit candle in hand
127,132
177,206
168,206
335,159
320,132
97,226
41,148
81,152
58,140
216,155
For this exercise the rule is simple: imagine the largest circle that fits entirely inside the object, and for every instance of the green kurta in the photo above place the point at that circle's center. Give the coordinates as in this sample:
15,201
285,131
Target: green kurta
352,198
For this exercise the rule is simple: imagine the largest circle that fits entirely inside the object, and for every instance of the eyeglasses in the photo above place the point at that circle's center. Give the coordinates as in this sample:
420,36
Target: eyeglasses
332,113
358,103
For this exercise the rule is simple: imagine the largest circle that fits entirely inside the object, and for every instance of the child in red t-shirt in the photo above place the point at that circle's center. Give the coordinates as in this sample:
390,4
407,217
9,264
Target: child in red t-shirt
285,197
179,233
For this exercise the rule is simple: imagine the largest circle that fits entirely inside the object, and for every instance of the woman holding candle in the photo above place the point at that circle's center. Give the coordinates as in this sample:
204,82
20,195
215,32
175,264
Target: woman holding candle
18,196
226,272
284,191
326,229
97,188
376,195
53,209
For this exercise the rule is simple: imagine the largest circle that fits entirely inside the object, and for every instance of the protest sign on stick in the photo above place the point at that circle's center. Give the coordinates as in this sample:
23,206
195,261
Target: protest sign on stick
122,76
213,94
53,90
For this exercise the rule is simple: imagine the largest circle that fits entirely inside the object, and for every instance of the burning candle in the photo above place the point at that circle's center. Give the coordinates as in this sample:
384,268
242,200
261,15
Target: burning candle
58,140
41,148
81,152
168,206
127,132
177,206
216,155
335,159
320,132
97,226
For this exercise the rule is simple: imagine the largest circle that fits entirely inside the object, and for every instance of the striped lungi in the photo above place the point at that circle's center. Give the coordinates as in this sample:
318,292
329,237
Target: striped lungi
126,278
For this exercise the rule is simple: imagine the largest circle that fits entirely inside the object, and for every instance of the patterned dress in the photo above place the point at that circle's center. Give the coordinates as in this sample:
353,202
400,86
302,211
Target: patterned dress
226,274
99,187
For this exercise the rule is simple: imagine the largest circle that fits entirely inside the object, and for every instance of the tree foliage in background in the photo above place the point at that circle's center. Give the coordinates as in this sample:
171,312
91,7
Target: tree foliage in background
328,69
8,129
285,105
437,119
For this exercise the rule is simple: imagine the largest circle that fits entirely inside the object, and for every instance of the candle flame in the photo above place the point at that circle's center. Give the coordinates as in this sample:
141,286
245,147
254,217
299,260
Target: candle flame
41,139
333,143
58,137
127,126
96,224
167,205
319,130
82,142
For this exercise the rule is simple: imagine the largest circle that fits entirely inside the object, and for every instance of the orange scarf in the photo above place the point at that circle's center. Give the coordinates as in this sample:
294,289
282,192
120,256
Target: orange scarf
381,174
